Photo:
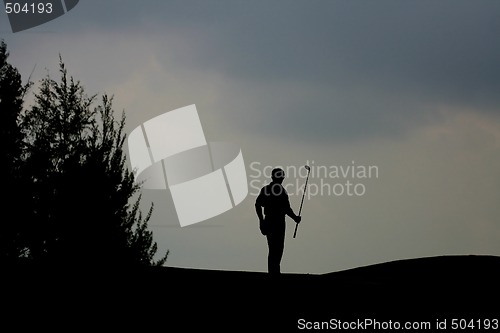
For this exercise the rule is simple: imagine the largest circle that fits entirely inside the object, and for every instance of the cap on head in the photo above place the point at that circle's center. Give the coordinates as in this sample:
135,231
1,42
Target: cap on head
278,173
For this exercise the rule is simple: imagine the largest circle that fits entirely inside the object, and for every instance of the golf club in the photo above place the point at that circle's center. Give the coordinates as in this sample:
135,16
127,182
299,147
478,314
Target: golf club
303,195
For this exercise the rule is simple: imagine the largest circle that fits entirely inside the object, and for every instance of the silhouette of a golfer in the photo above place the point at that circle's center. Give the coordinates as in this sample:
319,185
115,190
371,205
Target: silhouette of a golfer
274,199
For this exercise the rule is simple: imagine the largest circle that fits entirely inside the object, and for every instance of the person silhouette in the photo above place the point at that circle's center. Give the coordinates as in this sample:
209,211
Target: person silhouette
273,198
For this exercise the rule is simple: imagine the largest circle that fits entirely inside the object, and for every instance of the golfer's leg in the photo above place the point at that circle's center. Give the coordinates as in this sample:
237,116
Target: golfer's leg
280,247
273,257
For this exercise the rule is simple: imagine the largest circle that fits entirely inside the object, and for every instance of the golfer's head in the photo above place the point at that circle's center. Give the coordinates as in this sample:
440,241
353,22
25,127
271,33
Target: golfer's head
278,175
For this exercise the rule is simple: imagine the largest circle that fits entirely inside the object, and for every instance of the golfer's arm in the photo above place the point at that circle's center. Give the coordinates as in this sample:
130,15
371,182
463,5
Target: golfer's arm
258,209
290,212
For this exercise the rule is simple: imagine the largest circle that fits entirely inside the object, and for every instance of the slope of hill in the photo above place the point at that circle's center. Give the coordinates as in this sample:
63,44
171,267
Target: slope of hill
424,289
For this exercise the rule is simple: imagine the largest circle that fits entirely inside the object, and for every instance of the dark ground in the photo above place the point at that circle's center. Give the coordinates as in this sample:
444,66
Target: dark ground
176,299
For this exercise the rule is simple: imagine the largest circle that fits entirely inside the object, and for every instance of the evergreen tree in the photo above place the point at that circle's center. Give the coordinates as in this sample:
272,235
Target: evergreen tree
80,185
12,206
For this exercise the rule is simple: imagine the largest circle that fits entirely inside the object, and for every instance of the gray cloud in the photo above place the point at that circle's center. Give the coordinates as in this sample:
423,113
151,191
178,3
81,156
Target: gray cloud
378,68
440,47
345,70
368,68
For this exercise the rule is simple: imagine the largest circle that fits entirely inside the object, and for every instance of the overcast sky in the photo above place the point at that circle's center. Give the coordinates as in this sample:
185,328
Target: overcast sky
411,87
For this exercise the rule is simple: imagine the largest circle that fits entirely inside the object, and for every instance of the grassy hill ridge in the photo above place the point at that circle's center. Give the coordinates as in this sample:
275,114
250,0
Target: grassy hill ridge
426,289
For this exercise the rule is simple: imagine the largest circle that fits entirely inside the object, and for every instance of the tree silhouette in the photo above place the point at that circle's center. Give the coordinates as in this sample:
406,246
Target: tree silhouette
12,91
78,183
